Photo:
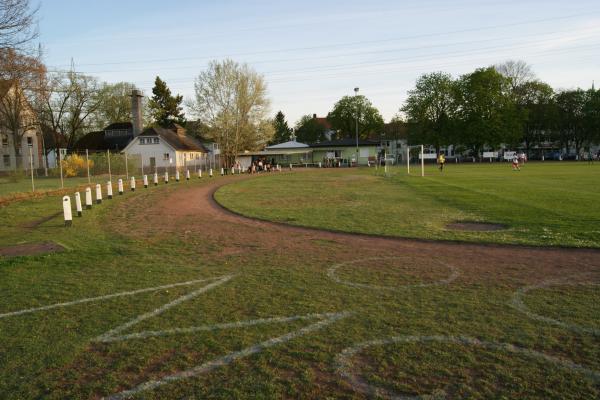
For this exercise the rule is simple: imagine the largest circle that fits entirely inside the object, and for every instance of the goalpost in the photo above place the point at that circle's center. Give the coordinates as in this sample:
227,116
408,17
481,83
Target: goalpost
419,151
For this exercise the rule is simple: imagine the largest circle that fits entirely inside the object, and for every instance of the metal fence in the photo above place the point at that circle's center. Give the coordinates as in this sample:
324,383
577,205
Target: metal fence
36,173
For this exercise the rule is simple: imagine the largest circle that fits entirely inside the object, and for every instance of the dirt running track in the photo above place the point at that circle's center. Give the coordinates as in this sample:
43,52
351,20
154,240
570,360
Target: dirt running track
194,212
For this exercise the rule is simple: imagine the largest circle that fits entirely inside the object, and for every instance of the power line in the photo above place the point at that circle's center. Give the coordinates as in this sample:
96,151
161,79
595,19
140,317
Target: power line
346,44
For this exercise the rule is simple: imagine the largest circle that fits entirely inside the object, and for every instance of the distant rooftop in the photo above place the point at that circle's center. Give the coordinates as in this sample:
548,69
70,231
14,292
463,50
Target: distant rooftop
292,144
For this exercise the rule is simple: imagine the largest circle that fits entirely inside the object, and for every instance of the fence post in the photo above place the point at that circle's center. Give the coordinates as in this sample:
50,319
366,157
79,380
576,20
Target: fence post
108,159
62,182
31,167
87,162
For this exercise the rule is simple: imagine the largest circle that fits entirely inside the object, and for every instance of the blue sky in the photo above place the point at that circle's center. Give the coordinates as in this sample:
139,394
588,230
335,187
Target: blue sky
314,52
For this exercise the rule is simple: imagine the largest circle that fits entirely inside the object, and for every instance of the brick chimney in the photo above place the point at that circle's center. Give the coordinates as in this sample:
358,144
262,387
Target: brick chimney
136,111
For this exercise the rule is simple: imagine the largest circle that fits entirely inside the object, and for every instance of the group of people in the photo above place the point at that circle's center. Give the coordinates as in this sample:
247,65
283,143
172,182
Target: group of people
261,164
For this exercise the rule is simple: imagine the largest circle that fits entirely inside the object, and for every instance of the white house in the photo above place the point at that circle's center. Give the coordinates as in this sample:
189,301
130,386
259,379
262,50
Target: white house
167,147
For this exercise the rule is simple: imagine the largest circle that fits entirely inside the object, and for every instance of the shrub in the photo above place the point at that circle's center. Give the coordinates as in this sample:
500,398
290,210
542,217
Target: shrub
74,164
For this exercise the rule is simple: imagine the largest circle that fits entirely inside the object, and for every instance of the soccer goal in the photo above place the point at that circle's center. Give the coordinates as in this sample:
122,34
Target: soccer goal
416,156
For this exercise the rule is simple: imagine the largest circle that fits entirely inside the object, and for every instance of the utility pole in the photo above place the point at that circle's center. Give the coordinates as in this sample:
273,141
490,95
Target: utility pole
355,98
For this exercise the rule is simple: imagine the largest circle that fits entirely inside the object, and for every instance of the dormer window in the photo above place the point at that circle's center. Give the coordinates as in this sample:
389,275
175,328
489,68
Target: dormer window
142,140
156,141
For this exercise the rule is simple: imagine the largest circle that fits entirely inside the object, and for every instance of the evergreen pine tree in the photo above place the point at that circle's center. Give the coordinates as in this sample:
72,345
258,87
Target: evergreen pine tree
282,130
165,108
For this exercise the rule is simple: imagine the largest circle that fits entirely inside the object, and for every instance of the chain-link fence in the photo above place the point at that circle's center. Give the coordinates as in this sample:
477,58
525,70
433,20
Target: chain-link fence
21,174
69,169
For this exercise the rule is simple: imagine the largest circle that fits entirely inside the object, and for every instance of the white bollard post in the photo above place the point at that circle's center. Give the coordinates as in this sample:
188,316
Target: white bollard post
187,174
177,175
98,194
200,173
155,179
88,199
290,166
278,167
319,164
132,185
232,171
166,177
120,186
222,171
109,190
145,181
78,204
210,173
67,211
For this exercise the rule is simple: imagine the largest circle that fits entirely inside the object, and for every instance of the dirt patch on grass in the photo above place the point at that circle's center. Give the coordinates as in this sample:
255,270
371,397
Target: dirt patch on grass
35,223
30,249
475,226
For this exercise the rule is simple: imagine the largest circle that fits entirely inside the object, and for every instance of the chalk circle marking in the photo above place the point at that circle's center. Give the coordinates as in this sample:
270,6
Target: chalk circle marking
519,304
344,362
331,272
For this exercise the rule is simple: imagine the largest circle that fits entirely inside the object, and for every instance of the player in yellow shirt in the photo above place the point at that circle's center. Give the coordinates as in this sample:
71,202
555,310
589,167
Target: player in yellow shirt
441,161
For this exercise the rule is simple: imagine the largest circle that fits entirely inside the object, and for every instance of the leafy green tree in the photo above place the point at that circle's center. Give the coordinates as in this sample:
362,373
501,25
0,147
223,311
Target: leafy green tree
344,114
164,107
571,105
282,130
487,114
431,109
536,100
309,130
114,105
592,115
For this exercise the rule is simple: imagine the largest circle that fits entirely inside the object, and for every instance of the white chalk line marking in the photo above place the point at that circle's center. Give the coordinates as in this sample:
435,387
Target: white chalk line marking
518,303
162,309
207,328
344,362
331,272
228,359
105,297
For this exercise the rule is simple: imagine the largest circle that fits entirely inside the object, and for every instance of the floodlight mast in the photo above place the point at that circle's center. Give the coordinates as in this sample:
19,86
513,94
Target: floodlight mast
355,94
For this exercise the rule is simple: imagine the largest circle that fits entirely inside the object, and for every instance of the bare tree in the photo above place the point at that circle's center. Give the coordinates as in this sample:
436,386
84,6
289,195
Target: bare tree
231,100
17,23
70,99
518,72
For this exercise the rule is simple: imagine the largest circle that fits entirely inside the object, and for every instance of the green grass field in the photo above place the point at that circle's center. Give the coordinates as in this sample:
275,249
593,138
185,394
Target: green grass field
20,187
354,319
545,204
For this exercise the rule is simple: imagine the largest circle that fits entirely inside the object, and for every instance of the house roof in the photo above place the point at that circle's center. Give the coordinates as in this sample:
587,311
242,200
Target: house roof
347,142
177,142
119,125
292,144
323,121
92,141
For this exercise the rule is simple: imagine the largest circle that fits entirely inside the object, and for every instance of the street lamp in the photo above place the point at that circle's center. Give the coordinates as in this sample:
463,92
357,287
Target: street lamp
355,94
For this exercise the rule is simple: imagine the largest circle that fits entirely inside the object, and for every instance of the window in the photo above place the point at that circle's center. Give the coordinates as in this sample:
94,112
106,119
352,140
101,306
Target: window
155,140
4,141
6,159
29,141
142,140
166,156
